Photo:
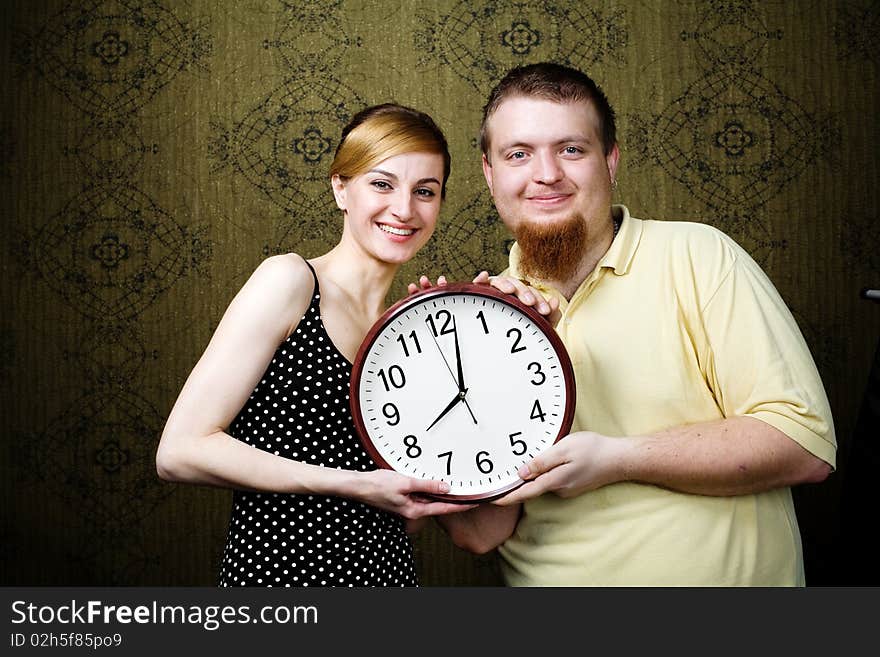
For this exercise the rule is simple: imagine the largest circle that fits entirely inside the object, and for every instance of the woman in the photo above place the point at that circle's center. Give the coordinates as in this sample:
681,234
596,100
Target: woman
309,509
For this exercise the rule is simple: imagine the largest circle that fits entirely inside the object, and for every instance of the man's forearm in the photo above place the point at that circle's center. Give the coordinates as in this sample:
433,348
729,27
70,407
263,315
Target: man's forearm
734,456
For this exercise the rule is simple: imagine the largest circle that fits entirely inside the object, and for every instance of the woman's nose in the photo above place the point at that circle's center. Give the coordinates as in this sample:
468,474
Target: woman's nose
402,207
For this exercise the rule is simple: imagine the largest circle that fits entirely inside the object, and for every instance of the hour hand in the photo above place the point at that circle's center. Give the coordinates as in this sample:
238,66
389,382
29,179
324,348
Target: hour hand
459,396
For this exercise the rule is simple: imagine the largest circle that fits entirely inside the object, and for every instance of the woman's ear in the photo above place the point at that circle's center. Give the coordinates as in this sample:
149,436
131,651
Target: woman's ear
338,185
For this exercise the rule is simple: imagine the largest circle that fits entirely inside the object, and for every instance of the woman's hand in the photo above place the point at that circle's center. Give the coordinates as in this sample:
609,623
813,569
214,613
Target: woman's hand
549,308
425,284
405,496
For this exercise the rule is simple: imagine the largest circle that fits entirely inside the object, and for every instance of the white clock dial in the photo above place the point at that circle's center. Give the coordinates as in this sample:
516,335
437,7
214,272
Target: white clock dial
464,385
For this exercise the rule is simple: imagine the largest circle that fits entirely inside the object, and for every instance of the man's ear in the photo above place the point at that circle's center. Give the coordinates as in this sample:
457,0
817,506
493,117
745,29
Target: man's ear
613,159
487,173
338,185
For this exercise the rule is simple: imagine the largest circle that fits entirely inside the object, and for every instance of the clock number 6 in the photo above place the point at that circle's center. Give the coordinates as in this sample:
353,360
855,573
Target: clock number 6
484,464
395,376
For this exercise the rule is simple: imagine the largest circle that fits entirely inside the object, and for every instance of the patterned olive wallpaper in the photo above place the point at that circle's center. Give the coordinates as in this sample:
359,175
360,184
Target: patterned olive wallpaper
152,152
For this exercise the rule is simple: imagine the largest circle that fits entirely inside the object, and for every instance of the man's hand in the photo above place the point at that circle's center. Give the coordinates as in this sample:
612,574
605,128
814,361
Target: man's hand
580,462
549,308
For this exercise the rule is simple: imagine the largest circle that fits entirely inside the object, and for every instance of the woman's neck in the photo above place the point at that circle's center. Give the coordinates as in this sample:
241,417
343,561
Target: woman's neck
363,280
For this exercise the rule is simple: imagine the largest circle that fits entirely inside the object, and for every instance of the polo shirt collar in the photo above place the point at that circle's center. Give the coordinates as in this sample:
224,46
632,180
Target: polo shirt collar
620,254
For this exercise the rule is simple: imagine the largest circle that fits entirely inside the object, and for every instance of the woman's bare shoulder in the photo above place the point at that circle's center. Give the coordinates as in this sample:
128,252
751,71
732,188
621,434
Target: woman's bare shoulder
278,291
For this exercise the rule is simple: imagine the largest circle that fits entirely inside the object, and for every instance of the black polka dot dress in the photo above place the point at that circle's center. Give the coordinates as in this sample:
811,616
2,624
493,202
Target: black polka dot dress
300,410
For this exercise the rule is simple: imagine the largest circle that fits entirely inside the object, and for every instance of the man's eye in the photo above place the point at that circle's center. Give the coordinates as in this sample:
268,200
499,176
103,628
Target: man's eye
572,150
517,155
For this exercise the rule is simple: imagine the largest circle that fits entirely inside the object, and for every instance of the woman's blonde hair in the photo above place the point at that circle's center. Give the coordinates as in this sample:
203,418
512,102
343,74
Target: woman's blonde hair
376,133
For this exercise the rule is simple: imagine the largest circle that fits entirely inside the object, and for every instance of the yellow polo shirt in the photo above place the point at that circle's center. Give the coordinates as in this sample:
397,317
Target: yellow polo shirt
677,325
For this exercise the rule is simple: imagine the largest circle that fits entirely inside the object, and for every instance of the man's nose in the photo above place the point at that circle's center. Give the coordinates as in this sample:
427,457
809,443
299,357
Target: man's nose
547,169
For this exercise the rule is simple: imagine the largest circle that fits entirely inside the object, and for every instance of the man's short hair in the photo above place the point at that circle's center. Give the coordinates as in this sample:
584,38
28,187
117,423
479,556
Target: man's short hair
555,82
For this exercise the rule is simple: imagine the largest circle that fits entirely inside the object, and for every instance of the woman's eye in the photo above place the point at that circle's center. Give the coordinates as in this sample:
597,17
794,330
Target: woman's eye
380,184
424,191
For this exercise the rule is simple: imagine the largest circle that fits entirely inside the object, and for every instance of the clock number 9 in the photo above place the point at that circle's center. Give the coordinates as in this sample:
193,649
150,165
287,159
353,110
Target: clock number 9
395,376
412,447
393,415
446,328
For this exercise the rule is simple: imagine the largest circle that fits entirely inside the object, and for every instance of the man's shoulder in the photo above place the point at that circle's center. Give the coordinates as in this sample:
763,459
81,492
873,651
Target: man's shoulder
699,239
688,251
683,230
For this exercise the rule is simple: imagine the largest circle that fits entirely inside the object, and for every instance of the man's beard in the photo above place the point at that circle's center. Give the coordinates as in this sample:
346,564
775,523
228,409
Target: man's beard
551,251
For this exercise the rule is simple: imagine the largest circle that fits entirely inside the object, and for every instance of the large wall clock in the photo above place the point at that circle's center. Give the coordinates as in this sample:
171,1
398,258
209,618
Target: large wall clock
464,384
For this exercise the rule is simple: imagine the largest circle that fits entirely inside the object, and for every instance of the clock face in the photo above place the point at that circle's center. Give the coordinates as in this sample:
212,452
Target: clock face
462,384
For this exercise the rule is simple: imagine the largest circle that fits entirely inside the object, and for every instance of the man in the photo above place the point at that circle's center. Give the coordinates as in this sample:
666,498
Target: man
698,405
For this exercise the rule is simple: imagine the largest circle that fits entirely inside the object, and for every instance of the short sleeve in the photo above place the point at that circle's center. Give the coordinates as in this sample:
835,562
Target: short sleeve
759,364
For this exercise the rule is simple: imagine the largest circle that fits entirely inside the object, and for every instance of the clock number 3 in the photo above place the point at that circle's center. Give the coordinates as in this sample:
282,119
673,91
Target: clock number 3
538,372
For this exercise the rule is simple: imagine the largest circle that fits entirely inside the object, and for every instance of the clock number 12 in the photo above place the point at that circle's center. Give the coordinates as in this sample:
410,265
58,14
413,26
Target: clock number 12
447,320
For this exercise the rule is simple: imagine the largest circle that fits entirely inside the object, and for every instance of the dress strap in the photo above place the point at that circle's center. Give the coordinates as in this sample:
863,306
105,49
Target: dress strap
317,289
